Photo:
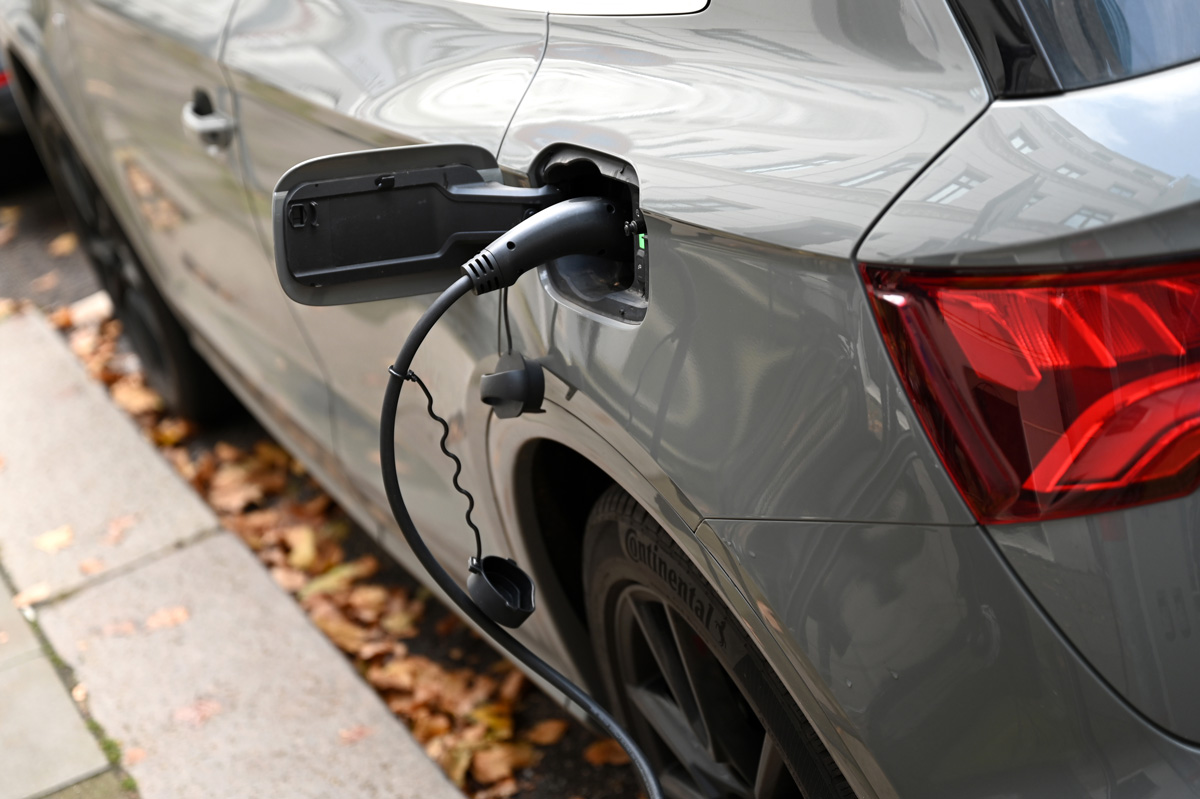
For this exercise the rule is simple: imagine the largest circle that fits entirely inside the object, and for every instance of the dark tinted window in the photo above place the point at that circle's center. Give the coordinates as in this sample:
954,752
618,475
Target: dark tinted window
1094,41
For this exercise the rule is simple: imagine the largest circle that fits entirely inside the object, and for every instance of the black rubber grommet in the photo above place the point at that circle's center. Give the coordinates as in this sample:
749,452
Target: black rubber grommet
501,590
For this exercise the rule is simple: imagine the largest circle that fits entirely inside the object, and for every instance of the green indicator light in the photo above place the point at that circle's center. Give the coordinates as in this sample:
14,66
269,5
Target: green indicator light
641,241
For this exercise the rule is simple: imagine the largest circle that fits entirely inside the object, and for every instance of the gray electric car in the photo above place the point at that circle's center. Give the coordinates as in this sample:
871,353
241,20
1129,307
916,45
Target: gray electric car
866,470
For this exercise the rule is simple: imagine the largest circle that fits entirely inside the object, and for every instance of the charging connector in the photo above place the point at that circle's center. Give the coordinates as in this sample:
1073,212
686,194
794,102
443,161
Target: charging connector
578,226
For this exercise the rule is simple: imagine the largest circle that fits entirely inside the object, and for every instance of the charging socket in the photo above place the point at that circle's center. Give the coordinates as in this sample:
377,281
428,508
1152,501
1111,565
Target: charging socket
616,284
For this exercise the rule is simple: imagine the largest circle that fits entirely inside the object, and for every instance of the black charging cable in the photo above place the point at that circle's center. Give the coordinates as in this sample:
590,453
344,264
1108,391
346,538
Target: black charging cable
587,225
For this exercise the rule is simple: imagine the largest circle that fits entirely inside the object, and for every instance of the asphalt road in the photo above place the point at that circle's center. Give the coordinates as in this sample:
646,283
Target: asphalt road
29,271
26,268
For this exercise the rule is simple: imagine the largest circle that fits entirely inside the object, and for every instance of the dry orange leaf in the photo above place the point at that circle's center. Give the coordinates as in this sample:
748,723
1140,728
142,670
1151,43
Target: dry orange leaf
172,431
135,397
395,675
79,693
117,527
55,540
62,245
227,453
197,713
368,602
497,716
91,566
431,725
501,790
230,490
32,595
118,629
498,761
302,546
47,282
167,617
60,318
289,579
347,635
548,732
352,735
340,577
271,455
605,752
134,755
511,687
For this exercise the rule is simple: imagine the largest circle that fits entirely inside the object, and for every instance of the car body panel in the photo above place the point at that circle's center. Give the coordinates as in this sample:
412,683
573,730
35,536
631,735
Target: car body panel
143,61
1094,175
805,122
1124,587
935,660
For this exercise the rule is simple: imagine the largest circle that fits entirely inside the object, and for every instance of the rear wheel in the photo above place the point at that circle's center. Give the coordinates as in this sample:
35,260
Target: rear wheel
683,676
172,366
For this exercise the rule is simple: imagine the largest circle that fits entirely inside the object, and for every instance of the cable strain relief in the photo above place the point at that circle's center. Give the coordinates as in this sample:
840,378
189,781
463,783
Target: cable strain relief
484,273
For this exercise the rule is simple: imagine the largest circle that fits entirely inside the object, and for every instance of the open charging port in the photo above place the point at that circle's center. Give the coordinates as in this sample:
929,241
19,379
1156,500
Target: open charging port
615,285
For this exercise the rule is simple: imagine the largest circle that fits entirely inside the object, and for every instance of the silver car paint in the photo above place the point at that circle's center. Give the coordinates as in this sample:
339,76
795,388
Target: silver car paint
1125,586
930,655
715,295
1097,174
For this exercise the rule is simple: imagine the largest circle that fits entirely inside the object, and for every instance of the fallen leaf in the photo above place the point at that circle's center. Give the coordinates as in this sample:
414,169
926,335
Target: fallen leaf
498,761
347,635
352,735
548,732
289,579
47,282
92,310
302,546
55,540
340,577
446,625
227,453
367,602
60,318
605,752
511,687
79,693
3,637
8,307
428,726
172,431
197,713
91,566
373,649
134,755
271,455
9,215
497,716
135,397
501,790
118,629
117,527
230,489
165,618
395,675
62,245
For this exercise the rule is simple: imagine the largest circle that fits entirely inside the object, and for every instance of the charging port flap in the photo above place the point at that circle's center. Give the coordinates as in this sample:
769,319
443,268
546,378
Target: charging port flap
380,224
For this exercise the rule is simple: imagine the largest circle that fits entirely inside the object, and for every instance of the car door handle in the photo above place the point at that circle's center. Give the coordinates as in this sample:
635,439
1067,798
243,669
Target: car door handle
211,128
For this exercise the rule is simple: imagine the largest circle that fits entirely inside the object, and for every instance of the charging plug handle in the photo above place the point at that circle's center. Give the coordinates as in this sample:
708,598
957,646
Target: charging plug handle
578,226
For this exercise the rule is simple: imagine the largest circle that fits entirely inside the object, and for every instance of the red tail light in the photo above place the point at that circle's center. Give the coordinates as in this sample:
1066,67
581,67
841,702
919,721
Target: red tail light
3,78
1052,395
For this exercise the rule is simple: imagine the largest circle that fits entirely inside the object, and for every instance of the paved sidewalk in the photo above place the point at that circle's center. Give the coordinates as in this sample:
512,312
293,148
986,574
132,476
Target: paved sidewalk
235,695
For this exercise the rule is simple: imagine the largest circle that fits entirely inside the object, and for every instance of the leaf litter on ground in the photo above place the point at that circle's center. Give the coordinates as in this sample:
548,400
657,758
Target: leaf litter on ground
463,716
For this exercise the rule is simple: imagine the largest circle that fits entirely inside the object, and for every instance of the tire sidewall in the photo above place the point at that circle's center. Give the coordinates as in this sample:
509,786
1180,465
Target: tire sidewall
624,547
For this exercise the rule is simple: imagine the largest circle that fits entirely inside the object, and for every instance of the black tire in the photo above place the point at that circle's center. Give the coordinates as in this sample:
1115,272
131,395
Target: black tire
660,630
171,365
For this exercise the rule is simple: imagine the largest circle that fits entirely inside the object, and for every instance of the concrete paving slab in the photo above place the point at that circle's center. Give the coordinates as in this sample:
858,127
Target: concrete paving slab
17,641
72,458
243,699
44,744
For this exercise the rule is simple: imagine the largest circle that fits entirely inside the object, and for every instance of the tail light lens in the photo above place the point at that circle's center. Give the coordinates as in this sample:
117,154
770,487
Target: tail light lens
1052,395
